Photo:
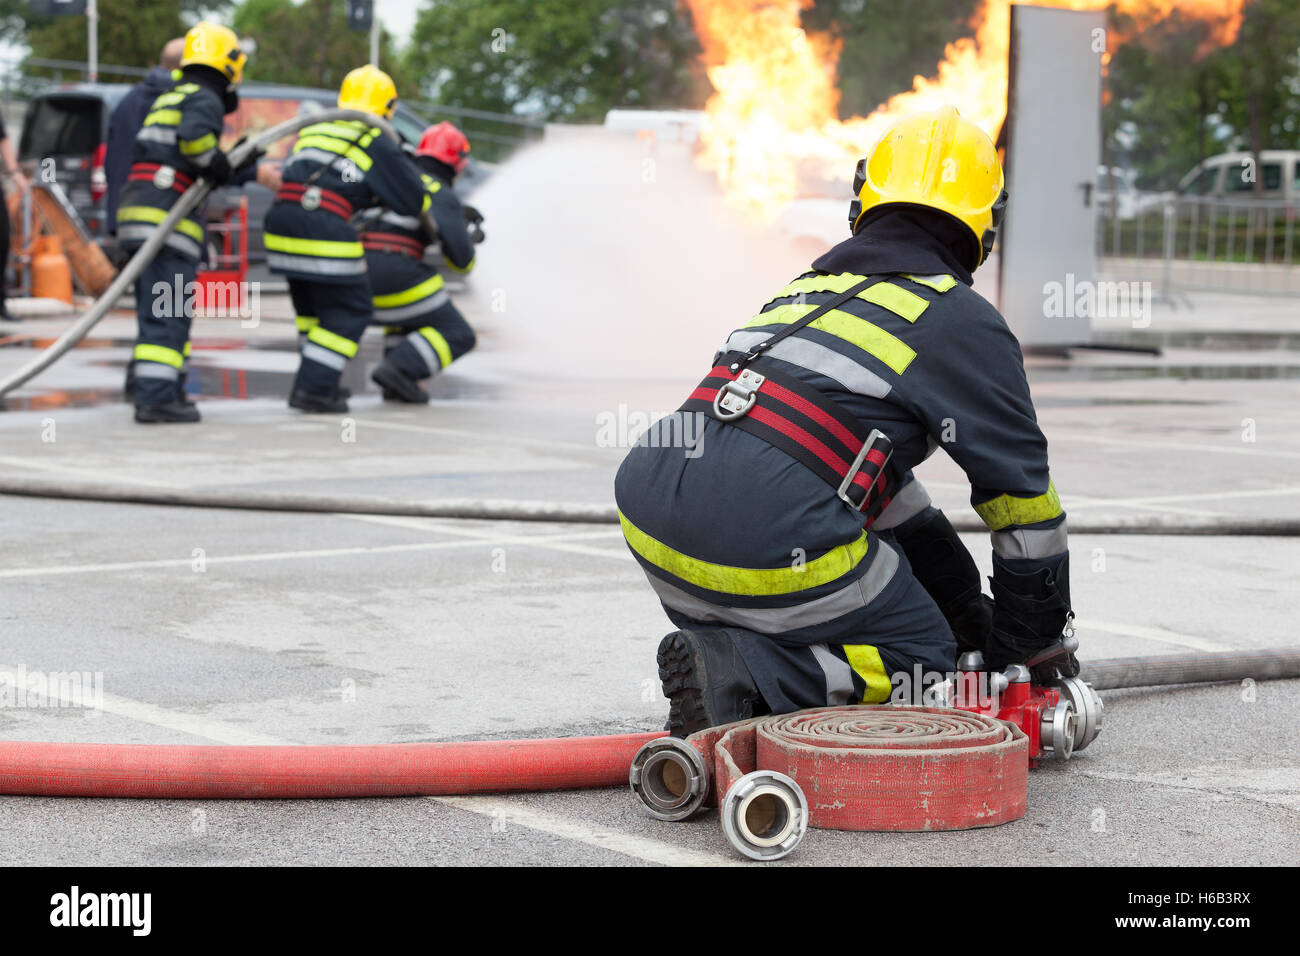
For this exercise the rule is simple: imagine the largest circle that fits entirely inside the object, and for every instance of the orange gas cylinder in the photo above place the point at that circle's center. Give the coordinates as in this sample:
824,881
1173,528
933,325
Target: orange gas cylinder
51,276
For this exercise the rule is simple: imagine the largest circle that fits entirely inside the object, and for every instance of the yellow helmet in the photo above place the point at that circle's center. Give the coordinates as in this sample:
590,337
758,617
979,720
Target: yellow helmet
369,89
938,160
211,44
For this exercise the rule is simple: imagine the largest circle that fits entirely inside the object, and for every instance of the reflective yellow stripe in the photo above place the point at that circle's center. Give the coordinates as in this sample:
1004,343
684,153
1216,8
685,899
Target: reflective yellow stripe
188,349
752,582
192,147
1006,510
168,99
331,145
160,354
188,88
895,298
332,341
937,283
439,344
307,322
152,214
865,661
414,294
430,184
872,339
343,130
326,248
428,201
163,118
455,268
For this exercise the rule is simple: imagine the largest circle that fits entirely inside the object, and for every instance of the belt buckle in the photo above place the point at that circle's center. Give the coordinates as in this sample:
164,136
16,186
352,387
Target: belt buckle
311,198
164,177
856,467
737,397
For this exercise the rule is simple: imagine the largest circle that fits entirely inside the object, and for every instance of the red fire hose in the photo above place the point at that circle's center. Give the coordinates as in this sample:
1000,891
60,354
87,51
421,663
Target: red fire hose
389,770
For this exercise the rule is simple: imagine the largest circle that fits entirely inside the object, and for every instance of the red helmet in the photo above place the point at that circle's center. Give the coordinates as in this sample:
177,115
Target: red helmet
445,143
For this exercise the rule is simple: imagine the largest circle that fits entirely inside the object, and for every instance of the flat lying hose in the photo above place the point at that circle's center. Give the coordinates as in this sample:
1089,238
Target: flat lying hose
514,510
1273,663
259,773
389,770
189,201
882,767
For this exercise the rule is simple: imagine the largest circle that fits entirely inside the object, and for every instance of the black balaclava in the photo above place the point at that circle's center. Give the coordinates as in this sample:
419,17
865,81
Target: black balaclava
899,237
436,167
216,81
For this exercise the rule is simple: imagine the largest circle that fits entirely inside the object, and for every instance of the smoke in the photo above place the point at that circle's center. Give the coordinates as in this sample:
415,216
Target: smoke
611,257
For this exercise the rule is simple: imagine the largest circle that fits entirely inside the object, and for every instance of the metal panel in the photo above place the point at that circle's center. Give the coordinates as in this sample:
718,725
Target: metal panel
1053,135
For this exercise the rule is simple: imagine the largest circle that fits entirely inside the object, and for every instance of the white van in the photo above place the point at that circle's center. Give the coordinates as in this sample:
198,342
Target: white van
1233,175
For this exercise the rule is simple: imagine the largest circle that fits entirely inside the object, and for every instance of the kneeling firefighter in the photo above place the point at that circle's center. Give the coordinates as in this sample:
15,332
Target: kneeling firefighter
423,331
776,514
176,144
336,168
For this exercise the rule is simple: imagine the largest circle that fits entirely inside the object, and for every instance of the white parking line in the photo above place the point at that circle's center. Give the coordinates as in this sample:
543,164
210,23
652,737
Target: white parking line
1159,634
642,848
94,474
218,559
551,542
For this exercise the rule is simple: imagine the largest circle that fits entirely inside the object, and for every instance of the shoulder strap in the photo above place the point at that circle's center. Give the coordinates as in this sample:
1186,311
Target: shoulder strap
759,348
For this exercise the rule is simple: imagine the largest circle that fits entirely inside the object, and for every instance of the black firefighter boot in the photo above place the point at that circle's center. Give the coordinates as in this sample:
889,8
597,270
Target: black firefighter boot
311,402
397,385
706,681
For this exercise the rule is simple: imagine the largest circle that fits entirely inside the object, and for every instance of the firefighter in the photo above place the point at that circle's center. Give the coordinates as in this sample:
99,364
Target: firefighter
423,331
335,169
177,143
776,514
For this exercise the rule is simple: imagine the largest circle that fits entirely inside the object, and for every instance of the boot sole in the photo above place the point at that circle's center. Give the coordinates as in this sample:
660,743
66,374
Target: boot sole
402,388
684,682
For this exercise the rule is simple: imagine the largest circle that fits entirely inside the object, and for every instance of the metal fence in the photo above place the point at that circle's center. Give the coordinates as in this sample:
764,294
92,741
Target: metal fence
1202,243
494,135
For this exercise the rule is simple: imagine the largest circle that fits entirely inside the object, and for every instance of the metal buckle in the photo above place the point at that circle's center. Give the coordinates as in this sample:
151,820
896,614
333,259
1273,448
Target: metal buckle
311,198
164,177
847,483
736,398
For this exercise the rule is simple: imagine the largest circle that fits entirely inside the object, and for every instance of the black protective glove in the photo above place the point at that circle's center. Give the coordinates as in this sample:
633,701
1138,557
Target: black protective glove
218,171
475,219
1030,613
252,158
948,573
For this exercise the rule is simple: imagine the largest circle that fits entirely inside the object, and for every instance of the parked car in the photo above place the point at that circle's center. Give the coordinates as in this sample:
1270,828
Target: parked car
69,124
1233,176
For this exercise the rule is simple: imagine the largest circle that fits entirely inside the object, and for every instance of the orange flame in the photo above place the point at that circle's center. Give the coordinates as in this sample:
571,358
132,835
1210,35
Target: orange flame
774,112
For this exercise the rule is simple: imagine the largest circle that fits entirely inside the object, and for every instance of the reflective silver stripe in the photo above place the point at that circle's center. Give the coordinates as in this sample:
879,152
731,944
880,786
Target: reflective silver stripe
158,134
203,158
310,153
318,353
839,676
778,620
147,369
316,266
1031,542
430,358
412,309
402,222
816,358
908,503
140,232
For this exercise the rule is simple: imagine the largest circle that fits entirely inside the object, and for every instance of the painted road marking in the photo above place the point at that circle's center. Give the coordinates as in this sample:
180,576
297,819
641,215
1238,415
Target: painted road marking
1159,634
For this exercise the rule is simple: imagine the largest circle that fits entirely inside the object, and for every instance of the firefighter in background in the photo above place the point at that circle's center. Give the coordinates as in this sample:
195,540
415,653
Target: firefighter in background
777,517
335,169
423,331
177,143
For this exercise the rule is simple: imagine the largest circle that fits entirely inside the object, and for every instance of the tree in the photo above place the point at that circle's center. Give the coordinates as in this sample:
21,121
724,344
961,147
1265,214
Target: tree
574,59
130,33
310,44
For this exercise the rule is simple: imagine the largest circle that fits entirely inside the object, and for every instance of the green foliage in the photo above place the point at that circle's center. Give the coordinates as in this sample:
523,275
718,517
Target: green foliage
131,33
309,44
573,59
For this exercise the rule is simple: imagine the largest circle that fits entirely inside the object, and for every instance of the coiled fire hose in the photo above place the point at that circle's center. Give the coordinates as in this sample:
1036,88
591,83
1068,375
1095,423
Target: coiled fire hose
962,769
191,199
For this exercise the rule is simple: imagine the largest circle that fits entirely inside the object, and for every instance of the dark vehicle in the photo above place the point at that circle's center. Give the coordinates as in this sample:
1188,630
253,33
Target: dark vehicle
67,127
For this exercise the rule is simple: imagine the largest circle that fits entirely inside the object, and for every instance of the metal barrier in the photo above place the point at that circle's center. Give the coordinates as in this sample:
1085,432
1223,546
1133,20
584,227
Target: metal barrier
1202,243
